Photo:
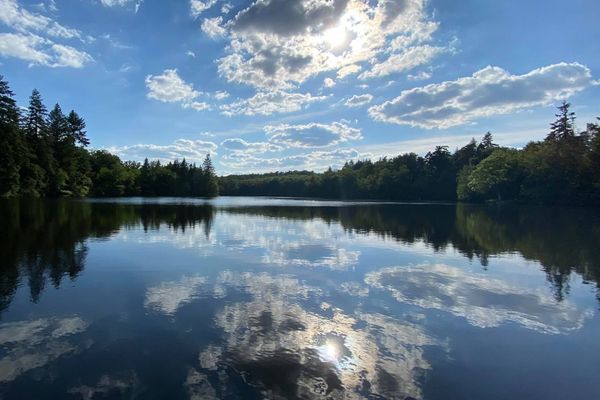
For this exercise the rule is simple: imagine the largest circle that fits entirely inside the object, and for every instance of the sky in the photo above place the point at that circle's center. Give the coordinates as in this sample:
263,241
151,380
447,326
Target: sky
265,85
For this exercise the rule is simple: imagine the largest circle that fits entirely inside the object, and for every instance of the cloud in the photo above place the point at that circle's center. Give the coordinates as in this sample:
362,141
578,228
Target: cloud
405,61
226,8
168,87
312,135
21,20
221,95
419,76
348,70
328,82
267,103
212,27
358,100
197,7
123,3
190,54
490,91
316,161
34,38
483,301
191,150
240,145
282,43
41,51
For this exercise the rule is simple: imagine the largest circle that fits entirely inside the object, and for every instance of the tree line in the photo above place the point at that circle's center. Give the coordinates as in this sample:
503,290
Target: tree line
44,154
564,168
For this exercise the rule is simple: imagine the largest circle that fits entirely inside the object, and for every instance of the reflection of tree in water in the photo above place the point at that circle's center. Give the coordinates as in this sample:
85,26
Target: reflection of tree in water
45,240
561,240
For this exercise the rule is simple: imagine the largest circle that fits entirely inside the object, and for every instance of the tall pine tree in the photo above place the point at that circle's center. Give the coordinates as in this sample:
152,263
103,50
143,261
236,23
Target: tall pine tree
11,145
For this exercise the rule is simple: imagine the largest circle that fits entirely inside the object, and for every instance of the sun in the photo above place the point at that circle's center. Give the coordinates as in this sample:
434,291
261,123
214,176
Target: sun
336,36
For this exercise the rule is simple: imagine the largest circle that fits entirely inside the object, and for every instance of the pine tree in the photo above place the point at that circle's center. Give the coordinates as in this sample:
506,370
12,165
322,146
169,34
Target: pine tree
594,153
11,145
76,126
211,182
40,160
35,120
564,126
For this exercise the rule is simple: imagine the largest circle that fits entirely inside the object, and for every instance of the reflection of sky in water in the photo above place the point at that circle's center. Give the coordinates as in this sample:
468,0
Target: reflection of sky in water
264,307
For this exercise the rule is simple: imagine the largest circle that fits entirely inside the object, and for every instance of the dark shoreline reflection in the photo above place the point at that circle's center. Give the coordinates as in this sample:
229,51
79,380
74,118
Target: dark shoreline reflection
43,240
562,240
46,239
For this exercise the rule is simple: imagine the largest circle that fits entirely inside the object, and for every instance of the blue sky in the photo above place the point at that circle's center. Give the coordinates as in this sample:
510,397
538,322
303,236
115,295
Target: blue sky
303,84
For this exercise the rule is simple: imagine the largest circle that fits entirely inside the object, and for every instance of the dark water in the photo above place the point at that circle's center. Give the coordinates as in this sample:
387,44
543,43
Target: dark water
255,298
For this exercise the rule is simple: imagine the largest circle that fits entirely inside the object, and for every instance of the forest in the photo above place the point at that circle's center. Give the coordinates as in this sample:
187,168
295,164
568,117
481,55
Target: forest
564,168
44,154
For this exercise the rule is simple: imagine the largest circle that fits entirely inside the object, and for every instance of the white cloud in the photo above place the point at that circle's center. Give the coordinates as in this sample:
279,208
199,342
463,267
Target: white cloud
312,135
419,76
21,20
267,103
282,43
198,105
226,8
328,82
168,87
405,61
41,51
197,7
490,91
28,44
190,54
348,70
212,27
240,145
316,161
358,100
191,150
67,56
221,95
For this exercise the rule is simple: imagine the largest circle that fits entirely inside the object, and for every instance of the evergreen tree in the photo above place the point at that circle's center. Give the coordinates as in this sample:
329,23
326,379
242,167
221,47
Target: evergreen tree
211,182
564,126
11,145
60,152
594,154
35,120
76,126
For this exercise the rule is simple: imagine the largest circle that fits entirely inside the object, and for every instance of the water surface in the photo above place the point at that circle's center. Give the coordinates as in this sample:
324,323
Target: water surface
251,298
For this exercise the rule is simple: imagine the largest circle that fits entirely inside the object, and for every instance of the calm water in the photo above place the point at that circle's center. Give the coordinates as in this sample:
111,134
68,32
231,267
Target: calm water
265,298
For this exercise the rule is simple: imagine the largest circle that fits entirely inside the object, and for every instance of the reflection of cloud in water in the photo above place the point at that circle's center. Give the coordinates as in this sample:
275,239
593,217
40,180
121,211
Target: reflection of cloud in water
167,297
483,301
106,385
198,387
286,242
33,344
289,352
354,289
312,255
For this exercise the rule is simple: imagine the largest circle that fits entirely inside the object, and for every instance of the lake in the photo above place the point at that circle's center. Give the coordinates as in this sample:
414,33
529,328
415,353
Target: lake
251,298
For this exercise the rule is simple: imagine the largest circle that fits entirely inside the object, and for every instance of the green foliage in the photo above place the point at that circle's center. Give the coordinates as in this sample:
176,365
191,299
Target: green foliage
498,176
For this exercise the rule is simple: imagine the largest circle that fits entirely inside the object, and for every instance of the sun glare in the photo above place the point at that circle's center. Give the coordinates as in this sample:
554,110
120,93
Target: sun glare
336,36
